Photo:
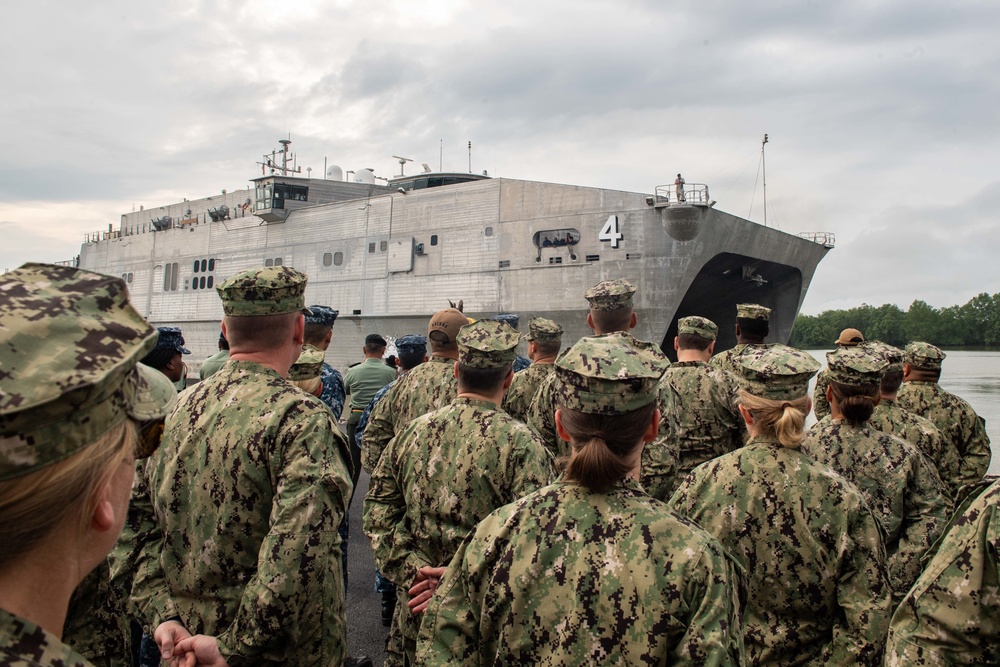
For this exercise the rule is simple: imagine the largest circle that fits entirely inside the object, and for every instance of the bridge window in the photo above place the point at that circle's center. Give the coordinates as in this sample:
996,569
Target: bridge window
557,238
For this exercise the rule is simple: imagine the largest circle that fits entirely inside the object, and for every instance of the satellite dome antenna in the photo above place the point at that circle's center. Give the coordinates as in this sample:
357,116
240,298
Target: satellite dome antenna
402,163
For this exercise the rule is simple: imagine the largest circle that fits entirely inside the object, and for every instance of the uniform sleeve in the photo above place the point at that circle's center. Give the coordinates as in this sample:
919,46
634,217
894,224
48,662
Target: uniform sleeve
821,407
378,432
928,507
542,418
396,552
292,609
150,594
333,393
864,596
977,454
449,631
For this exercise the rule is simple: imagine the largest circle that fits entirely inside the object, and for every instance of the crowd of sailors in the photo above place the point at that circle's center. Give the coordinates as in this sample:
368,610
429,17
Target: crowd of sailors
598,505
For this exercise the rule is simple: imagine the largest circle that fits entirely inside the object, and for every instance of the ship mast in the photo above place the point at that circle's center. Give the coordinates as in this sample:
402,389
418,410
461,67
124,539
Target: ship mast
271,161
763,172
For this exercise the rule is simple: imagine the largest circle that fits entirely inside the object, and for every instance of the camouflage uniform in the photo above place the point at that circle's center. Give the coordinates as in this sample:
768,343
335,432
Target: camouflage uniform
333,394
70,343
522,390
728,360
813,552
702,423
922,434
446,471
427,387
953,416
24,644
950,615
900,484
96,625
248,489
572,576
821,406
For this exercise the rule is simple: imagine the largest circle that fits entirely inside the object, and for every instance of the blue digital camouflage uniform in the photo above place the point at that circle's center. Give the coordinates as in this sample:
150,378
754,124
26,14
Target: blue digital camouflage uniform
333,393
951,616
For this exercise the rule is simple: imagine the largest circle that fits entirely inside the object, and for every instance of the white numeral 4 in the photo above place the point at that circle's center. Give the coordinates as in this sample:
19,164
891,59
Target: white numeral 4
609,232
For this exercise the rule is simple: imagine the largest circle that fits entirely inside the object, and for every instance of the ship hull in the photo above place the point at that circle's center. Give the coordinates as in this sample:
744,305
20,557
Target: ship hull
388,260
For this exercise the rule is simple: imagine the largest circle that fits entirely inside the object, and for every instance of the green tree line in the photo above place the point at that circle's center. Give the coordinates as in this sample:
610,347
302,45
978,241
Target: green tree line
973,324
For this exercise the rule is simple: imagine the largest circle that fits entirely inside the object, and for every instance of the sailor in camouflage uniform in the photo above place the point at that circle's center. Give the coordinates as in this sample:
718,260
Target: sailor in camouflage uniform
513,319
610,311
811,548
319,333
590,570
544,338
954,417
899,482
72,401
427,387
950,616
248,489
752,327
921,433
450,468
704,421
821,406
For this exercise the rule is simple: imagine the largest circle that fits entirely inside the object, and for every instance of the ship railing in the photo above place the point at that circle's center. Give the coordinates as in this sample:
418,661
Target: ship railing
826,239
691,194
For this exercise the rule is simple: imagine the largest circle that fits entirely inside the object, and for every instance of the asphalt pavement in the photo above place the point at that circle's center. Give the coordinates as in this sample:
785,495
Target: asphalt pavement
365,634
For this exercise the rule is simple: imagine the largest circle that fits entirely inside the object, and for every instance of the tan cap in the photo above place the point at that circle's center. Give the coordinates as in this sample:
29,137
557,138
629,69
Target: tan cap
444,326
850,337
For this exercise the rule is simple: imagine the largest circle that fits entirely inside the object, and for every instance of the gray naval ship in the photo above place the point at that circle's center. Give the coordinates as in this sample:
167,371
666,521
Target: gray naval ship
387,253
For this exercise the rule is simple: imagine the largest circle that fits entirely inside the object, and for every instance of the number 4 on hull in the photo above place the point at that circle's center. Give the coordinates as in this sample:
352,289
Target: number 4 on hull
610,232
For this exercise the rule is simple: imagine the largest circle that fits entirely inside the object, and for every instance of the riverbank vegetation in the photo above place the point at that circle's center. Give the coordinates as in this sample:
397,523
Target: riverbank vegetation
973,324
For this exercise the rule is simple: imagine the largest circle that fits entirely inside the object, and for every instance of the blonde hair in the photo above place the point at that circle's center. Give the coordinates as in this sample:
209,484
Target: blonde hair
785,420
603,445
34,505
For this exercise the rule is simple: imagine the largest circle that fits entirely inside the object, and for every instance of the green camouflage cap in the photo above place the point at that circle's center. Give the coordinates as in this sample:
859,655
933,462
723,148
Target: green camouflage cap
271,290
154,396
855,366
698,326
610,374
753,311
776,371
69,344
610,295
924,356
308,365
542,329
893,355
487,344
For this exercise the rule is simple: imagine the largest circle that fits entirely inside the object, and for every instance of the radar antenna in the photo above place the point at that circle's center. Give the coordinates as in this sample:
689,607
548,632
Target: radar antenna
272,161
402,163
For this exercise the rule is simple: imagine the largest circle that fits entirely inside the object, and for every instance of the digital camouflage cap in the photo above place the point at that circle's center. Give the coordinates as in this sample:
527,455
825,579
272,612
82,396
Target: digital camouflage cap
753,311
855,366
540,328
69,344
487,344
776,371
170,338
697,326
610,374
270,290
923,356
513,319
610,295
308,365
411,343
893,355
322,315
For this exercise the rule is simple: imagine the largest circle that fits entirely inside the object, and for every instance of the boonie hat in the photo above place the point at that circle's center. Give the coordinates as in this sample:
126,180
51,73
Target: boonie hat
698,326
322,315
855,366
269,290
775,371
309,365
487,344
753,311
69,344
610,374
540,328
924,356
610,295
850,337
444,325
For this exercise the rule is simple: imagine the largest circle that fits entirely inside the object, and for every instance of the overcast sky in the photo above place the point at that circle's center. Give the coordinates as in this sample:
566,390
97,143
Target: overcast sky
882,116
